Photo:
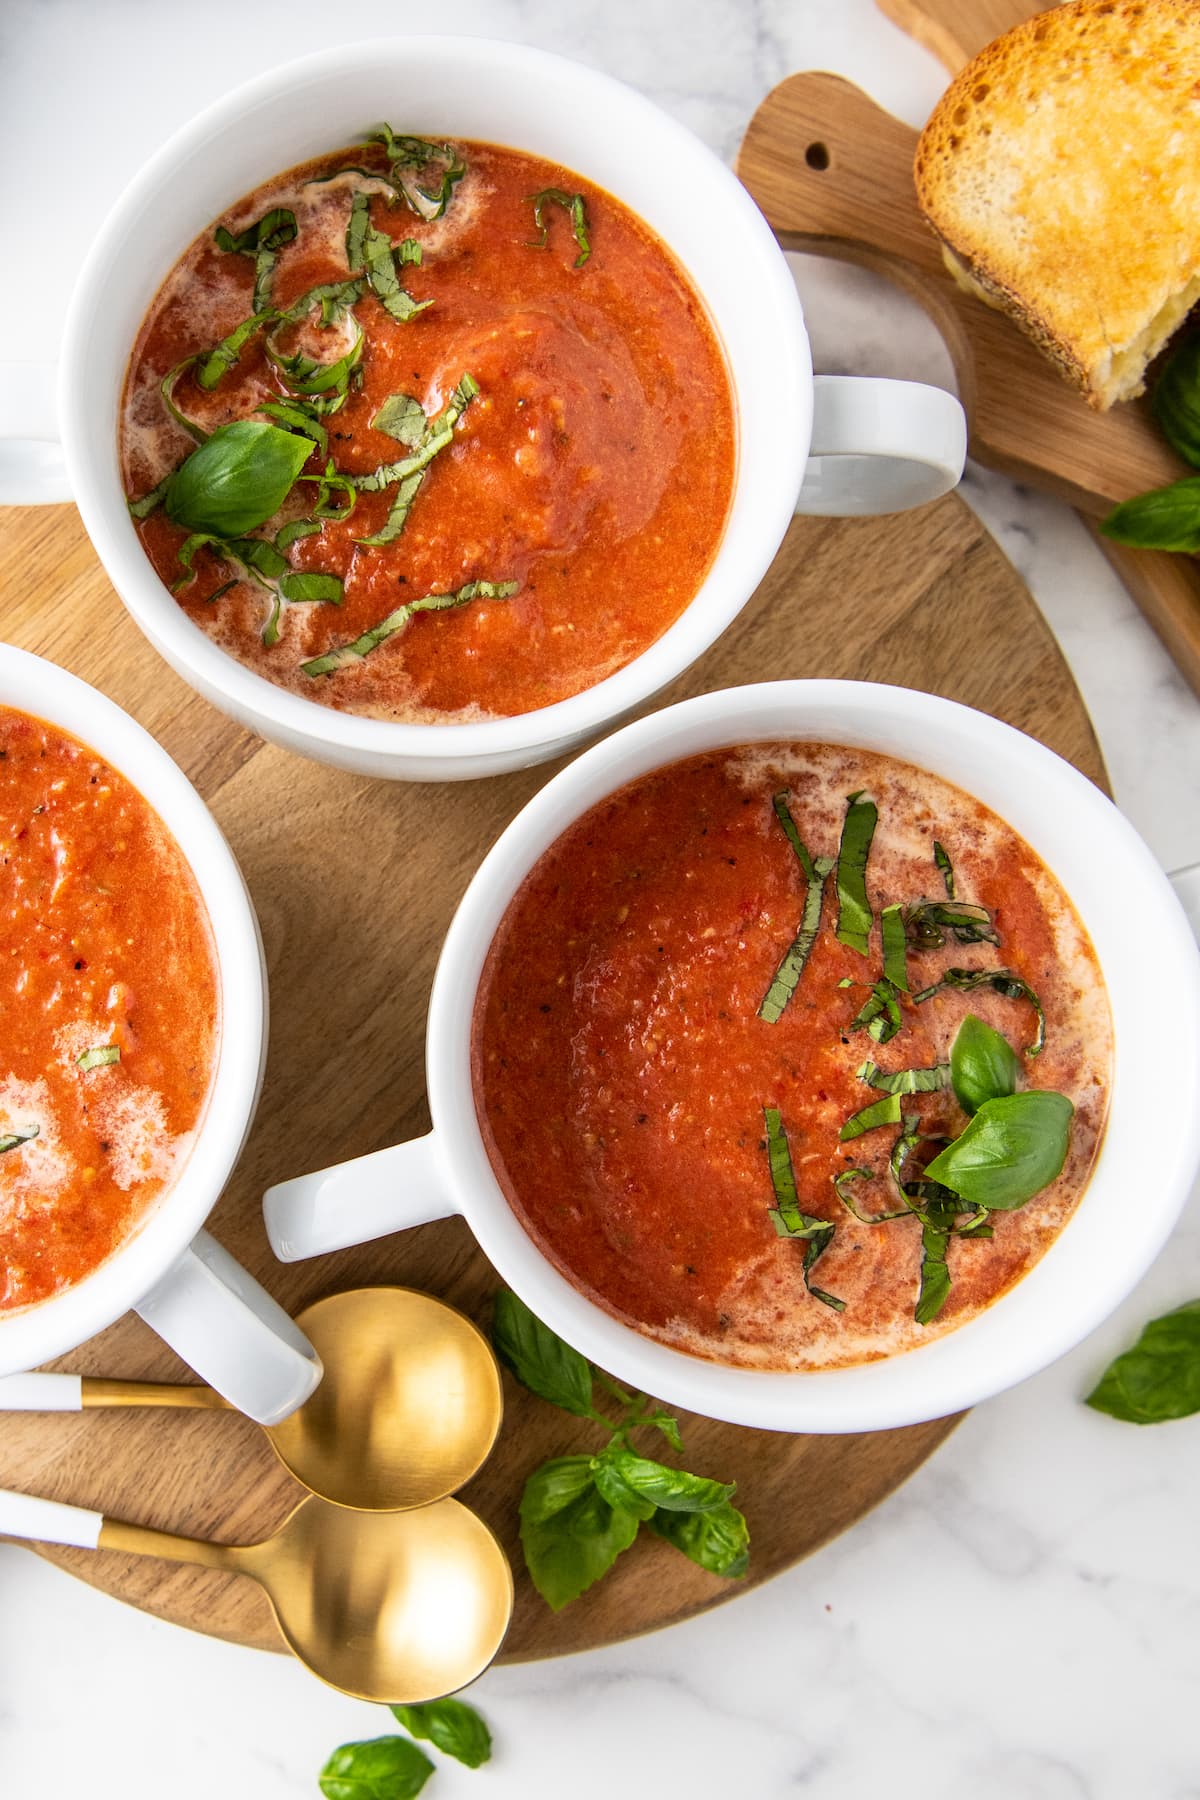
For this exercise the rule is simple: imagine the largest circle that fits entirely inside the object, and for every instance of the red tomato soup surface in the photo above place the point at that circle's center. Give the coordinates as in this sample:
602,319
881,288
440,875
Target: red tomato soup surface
592,471
622,1071
108,1009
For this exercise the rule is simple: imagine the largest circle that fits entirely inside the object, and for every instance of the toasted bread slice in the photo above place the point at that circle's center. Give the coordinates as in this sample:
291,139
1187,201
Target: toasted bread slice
1061,170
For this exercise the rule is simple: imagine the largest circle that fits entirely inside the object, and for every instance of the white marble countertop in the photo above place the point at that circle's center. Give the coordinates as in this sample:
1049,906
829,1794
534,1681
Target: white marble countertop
1021,1621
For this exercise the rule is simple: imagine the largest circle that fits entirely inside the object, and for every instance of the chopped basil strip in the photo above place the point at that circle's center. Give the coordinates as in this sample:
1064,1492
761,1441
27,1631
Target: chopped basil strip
396,301
409,253
330,482
786,1215
927,921
573,203
295,415
854,909
270,631
166,388
402,418
15,1138
396,621
1002,981
263,241
935,1276
357,229
214,363
1013,1148
236,479
841,1186
397,519
787,975
439,434
296,528
141,509
98,1056
333,297
409,473
304,375
880,1112
880,1015
905,1081
418,153
299,586
944,864
895,967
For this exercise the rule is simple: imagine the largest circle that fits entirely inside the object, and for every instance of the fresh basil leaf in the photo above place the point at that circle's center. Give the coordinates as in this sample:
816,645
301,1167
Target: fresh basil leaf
1010,1151
1167,518
453,1726
570,1534
983,1064
573,204
98,1057
611,1487
305,587
258,556
943,863
1158,1378
854,909
935,1276
718,1541
538,1358
384,1768
880,1112
402,418
16,1138
904,1081
669,1426
1176,403
396,621
671,1489
1002,981
237,479
787,975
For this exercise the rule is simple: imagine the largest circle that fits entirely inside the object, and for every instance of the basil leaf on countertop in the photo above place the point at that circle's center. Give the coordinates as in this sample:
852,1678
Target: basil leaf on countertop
1010,1151
718,1541
237,479
671,1489
573,204
983,1064
384,1768
1167,518
854,909
1158,1378
539,1359
452,1726
570,1534
1176,403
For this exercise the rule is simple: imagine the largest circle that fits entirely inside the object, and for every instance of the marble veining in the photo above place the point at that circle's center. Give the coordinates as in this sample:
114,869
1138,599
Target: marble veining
1021,1621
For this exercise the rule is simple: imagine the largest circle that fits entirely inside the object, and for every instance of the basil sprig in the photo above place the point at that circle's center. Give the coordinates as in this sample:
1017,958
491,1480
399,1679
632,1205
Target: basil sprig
578,1513
1013,1147
573,204
787,976
237,479
1158,1378
854,909
345,654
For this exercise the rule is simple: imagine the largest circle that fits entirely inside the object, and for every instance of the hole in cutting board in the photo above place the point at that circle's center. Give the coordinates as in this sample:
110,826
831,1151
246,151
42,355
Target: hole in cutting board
817,156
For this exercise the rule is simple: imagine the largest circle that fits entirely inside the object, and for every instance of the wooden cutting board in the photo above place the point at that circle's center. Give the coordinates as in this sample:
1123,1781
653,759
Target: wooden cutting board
355,882
833,173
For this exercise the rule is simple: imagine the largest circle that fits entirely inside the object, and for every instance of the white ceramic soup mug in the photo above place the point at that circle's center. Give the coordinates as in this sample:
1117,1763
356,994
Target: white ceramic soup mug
1151,1146
841,445
169,1270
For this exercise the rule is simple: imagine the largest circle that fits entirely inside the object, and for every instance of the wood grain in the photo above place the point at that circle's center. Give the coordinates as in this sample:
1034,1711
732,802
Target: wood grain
855,200
355,882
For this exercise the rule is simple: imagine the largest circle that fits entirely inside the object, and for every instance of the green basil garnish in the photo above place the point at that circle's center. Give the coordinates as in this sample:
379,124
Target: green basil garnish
786,1215
303,587
16,1138
983,1064
654,1485
573,204
942,861
451,1726
927,921
1002,981
1013,1148
570,1533
217,362
934,1289
396,621
538,1358
141,509
440,433
1167,518
895,965
854,909
880,1015
406,492
237,479
1176,403
356,230
297,415
420,154
880,1112
294,529
1158,1378
841,1186
98,1057
383,1768
787,975
905,1081
304,375
717,1541
402,418
166,388
263,241
396,301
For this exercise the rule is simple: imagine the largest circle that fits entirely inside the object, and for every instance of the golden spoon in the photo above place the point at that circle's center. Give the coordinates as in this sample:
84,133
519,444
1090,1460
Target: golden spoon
397,1607
406,1412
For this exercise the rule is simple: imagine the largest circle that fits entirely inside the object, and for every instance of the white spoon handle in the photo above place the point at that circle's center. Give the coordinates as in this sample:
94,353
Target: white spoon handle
41,1393
48,1521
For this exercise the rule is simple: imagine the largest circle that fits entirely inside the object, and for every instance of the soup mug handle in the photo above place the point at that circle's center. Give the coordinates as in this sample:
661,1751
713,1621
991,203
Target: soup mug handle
232,1333
354,1202
880,446
33,470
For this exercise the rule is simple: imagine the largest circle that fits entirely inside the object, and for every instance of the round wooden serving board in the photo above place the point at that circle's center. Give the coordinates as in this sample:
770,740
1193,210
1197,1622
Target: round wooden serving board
355,882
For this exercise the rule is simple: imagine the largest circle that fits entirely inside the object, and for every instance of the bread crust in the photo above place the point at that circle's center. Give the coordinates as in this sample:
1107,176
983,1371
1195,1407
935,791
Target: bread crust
1061,169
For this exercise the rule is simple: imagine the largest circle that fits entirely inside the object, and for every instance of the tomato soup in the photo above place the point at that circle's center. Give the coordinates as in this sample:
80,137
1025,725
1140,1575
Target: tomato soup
512,425
108,1009
748,1035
